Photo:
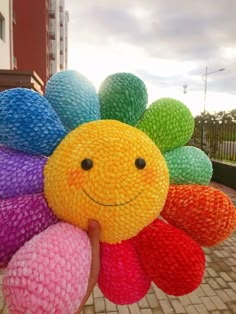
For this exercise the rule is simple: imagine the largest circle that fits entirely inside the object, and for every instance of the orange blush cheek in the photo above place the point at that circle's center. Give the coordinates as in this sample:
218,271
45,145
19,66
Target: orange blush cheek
148,176
75,178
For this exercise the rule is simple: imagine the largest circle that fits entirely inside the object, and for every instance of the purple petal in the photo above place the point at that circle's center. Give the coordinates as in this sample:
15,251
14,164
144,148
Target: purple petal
21,218
20,173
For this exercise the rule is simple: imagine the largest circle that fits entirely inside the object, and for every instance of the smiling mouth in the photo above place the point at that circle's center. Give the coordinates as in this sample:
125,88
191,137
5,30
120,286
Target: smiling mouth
120,204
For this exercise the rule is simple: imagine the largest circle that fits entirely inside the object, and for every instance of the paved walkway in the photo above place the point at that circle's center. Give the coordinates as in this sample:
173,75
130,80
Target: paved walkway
216,295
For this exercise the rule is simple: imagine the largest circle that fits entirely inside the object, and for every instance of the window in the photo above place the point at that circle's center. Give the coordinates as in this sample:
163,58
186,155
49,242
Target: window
2,22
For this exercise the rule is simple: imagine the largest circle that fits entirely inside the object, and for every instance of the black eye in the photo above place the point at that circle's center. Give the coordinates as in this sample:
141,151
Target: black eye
87,164
140,163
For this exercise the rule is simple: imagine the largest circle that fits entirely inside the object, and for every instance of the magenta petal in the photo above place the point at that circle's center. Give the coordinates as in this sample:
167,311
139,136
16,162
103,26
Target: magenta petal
21,218
20,173
122,279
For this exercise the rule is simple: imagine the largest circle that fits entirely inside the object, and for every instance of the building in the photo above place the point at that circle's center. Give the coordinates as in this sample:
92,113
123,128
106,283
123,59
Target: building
58,30
33,37
9,76
6,38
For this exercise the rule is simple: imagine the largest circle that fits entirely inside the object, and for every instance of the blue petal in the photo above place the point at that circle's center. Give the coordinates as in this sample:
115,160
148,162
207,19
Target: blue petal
28,122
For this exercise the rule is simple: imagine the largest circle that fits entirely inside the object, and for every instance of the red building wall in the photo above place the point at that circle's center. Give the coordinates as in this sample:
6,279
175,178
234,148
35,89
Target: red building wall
31,37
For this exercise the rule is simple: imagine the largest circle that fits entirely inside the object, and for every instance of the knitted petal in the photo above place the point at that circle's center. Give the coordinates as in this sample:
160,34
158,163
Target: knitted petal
20,173
73,97
50,273
205,213
122,279
168,122
170,258
28,122
188,165
20,219
123,97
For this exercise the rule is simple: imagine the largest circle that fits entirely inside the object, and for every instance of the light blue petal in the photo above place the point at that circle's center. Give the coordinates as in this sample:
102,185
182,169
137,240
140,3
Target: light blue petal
73,97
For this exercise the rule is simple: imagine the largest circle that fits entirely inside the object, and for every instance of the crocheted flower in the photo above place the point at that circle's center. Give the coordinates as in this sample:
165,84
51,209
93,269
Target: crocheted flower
76,155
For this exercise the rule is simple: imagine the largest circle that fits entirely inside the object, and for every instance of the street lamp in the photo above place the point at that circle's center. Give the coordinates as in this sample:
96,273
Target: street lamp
204,105
205,87
185,88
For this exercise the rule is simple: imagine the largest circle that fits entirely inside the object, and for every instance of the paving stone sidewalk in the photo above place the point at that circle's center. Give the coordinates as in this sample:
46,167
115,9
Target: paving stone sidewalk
216,294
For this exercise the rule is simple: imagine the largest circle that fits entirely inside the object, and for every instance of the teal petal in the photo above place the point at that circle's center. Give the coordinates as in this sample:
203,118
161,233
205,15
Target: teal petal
188,165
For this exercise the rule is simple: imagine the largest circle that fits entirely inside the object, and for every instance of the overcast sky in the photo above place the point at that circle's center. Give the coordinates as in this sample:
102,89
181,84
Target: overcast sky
166,43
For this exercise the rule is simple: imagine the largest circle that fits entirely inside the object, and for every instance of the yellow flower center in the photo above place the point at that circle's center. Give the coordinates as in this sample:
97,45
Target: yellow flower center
108,171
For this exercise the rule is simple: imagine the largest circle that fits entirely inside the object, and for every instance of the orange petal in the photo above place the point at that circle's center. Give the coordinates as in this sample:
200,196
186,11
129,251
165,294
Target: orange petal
205,213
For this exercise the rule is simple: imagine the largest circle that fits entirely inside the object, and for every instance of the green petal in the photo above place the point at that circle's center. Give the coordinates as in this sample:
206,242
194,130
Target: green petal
168,122
123,97
188,165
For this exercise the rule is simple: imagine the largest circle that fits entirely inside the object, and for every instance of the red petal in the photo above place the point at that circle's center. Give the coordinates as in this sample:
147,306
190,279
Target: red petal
170,258
204,213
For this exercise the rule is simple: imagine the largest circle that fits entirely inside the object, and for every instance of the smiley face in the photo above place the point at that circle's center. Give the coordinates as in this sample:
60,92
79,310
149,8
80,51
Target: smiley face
108,171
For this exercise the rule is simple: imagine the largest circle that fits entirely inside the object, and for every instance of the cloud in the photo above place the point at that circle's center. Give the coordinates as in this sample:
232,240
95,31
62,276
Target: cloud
184,29
202,32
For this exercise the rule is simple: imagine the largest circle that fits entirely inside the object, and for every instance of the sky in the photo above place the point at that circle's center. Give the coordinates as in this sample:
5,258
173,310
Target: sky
168,44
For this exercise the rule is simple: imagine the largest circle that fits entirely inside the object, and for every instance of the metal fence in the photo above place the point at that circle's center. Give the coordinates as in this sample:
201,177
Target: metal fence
216,138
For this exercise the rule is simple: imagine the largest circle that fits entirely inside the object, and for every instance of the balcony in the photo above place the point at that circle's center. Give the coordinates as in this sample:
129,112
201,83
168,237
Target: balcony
52,14
52,56
14,78
14,63
52,35
14,17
